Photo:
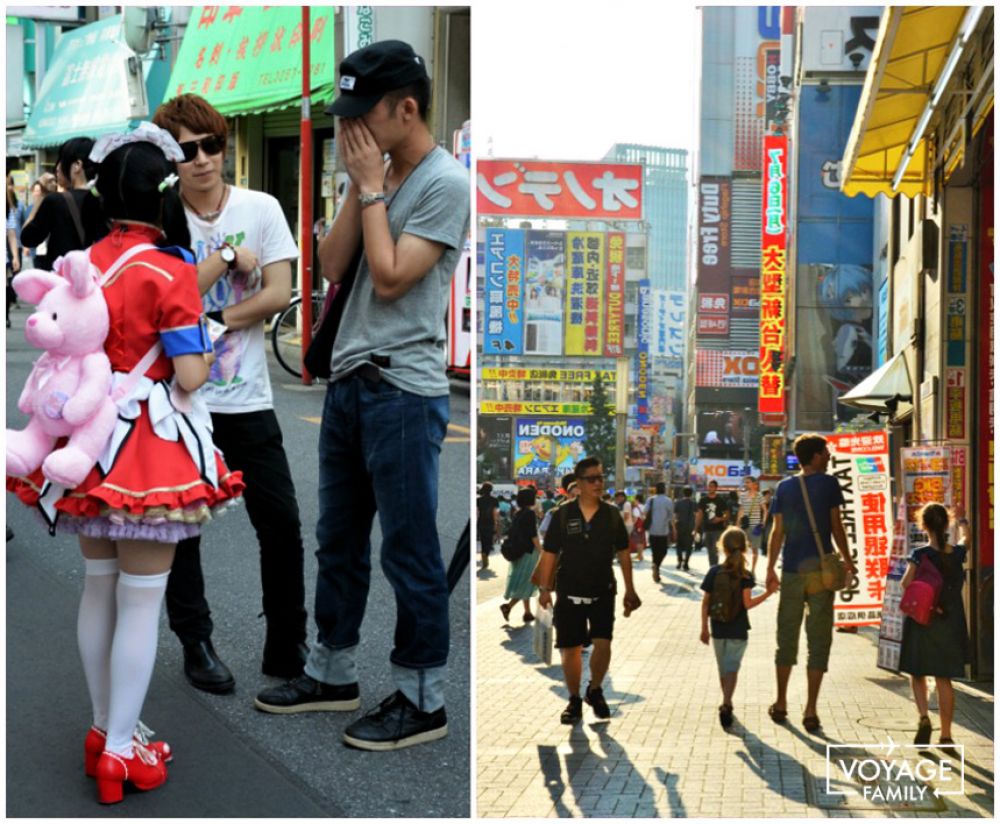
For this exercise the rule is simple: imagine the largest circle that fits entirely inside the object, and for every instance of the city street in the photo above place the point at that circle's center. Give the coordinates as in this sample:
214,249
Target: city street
663,753
230,759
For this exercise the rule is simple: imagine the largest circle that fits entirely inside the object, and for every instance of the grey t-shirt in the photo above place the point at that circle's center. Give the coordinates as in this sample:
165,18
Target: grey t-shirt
432,203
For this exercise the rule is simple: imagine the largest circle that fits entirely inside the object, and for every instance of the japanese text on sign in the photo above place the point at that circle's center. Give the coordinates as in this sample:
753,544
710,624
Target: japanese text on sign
584,293
614,340
771,392
504,255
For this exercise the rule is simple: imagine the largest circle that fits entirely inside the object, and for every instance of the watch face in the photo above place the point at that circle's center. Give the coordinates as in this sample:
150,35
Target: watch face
228,255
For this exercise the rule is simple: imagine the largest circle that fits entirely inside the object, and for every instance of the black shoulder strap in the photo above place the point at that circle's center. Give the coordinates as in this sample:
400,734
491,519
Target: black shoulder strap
74,212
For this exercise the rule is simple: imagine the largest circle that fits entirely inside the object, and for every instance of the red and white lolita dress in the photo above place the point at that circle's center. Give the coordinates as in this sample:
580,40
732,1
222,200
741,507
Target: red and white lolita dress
161,476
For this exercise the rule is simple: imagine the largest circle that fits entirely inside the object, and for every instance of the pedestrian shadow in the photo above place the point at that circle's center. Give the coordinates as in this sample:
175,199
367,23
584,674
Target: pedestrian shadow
674,800
765,762
484,574
551,764
519,642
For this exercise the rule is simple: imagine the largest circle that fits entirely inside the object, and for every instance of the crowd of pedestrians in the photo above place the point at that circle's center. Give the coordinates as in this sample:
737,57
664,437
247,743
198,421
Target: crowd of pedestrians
191,267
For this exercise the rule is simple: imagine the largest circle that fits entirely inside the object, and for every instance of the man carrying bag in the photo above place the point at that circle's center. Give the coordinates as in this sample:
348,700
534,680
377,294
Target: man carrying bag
807,524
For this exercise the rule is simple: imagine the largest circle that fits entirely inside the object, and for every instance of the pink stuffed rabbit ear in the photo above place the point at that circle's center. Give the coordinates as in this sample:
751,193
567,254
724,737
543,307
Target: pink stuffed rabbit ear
79,271
31,285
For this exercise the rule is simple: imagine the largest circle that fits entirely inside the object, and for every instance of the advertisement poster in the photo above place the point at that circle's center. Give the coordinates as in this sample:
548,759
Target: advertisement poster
721,369
504,261
584,293
714,233
547,447
773,274
890,633
493,449
926,480
544,188
643,377
544,286
614,343
860,462
835,285
641,446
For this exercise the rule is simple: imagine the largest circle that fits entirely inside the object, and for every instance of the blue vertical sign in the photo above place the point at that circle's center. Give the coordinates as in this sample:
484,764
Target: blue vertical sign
504,260
643,340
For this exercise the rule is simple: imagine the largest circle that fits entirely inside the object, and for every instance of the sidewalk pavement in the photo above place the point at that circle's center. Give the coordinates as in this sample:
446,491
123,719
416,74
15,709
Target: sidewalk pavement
664,753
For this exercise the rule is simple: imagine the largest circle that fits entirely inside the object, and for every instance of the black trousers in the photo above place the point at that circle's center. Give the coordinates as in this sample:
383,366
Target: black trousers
659,545
251,443
685,543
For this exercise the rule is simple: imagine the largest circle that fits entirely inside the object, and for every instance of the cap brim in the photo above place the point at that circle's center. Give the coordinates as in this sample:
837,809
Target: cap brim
351,106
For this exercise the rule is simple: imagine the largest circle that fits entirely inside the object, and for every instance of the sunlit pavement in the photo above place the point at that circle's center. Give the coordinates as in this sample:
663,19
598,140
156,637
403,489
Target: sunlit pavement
664,754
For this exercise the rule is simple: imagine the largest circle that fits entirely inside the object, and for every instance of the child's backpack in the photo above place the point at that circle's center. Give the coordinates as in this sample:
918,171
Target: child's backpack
726,597
920,598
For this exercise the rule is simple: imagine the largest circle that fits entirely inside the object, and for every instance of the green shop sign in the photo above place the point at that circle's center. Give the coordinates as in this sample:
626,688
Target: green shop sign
246,59
85,91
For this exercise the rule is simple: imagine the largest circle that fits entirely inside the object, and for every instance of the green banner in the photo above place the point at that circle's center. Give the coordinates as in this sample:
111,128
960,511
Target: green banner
246,59
85,91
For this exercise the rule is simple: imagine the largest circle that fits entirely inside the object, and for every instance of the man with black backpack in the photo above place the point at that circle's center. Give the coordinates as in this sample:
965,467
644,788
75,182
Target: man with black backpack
580,545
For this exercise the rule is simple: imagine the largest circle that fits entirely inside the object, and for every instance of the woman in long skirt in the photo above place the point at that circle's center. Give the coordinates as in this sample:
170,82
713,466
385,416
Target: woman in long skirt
523,533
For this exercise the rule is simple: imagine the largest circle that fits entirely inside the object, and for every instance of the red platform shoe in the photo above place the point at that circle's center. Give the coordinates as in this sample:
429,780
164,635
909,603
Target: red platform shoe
144,770
93,746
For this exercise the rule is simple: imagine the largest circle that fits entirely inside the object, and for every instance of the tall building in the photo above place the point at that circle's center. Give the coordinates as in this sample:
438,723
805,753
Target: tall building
666,192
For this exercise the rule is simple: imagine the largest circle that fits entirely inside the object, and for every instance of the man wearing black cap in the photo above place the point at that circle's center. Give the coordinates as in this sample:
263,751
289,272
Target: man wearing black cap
386,410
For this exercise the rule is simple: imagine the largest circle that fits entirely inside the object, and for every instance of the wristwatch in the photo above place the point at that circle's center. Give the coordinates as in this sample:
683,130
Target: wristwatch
228,253
368,198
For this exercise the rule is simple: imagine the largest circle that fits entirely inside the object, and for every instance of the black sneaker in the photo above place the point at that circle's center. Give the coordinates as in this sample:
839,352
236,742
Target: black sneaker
924,729
394,724
595,697
725,716
305,694
574,710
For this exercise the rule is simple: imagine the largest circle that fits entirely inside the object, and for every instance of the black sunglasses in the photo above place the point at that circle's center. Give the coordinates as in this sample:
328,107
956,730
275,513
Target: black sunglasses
211,145
592,478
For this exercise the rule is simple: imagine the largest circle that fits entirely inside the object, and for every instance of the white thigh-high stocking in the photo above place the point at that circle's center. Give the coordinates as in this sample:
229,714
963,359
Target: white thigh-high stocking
95,629
133,654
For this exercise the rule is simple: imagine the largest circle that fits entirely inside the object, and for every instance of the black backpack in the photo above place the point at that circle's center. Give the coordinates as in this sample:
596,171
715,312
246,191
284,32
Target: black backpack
726,597
510,550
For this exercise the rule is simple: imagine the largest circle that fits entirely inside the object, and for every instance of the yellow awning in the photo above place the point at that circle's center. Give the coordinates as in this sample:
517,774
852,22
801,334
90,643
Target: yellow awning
912,46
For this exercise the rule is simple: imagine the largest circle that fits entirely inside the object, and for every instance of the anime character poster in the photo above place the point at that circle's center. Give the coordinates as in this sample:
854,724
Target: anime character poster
547,448
544,289
835,289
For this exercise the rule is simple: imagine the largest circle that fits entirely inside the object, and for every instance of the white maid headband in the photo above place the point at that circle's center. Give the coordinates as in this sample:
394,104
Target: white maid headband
145,132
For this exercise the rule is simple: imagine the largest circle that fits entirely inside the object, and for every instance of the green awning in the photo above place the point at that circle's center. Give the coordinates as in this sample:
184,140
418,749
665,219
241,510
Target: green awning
248,59
85,90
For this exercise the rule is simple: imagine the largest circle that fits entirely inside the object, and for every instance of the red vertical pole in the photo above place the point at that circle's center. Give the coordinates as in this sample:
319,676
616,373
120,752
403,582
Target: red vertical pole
306,195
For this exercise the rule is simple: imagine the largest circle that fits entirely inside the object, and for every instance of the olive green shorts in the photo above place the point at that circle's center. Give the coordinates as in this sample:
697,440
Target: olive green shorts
793,603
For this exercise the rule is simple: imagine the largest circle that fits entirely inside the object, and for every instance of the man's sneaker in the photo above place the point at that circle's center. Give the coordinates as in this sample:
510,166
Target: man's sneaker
725,716
394,724
574,710
305,694
595,697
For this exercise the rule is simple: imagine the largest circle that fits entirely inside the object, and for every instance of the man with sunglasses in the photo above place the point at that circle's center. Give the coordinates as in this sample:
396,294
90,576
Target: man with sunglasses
580,547
244,250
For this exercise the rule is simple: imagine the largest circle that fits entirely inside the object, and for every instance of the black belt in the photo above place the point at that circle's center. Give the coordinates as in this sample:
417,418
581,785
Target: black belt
372,371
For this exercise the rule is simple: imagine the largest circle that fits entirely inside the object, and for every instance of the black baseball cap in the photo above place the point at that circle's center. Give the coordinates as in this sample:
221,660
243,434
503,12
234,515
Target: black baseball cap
368,74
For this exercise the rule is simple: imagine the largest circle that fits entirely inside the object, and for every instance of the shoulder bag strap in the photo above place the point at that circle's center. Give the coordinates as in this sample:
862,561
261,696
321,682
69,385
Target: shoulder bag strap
809,512
74,213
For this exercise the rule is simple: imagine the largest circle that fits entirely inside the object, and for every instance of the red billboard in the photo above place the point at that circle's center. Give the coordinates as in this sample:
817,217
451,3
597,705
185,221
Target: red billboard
773,272
542,188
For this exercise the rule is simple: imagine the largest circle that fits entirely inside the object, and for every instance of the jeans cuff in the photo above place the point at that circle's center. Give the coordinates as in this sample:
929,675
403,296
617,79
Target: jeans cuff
424,688
332,666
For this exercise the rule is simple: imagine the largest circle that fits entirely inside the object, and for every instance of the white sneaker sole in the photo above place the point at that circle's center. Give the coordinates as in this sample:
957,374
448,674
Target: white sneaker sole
384,746
314,706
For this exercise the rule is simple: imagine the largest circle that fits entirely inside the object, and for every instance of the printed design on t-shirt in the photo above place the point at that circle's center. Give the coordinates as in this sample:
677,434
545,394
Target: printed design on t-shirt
228,290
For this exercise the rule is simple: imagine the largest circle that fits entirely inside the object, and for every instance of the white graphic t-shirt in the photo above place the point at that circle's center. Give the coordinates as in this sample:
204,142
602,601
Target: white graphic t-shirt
238,381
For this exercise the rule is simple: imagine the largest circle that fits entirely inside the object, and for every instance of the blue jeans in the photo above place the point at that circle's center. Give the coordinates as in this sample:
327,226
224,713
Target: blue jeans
379,451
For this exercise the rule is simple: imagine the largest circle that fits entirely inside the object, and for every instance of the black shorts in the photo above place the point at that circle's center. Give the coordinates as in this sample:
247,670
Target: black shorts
577,623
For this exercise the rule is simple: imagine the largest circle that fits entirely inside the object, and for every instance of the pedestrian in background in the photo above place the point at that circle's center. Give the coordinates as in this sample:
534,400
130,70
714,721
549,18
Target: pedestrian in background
570,491
579,550
685,520
768,520
70,219
730,634
17,213
941,648
504,509
750,516
408,219
244,251
524,536
638,538
659,520
712,518
802,590
487,521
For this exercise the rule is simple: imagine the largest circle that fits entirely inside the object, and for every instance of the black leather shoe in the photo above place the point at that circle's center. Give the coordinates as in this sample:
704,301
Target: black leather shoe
284,662
305,694
394,724
205,670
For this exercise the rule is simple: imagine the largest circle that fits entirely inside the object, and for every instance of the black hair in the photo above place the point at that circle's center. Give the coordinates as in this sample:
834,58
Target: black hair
486,488
526,497
129,184
807,446
585,464
934,519
688,492
419,90
661,488
567,479
74,149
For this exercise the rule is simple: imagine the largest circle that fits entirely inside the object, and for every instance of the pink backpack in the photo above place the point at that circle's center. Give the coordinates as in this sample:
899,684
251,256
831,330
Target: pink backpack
921,597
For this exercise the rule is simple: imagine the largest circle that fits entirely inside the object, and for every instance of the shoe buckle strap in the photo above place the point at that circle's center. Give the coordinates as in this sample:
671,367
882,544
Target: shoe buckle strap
146,755
143,734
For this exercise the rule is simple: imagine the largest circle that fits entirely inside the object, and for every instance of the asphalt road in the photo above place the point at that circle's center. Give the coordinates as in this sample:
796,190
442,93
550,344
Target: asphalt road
230,759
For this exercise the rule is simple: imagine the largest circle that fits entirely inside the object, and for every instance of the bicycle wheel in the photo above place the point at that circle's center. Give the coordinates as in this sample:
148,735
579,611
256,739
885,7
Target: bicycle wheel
286,334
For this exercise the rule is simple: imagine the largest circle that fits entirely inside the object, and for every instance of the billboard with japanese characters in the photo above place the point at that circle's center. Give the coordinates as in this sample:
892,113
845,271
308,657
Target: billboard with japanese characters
668,330
504,262
544,288
547,447
585,275
614,323
926,480
835,289
771,403
714,234
542,188
860,462
642,366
